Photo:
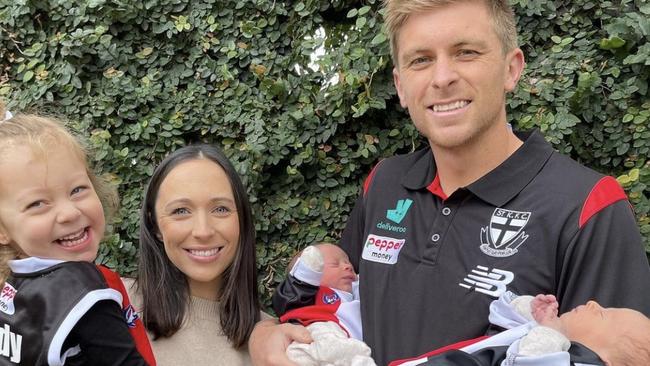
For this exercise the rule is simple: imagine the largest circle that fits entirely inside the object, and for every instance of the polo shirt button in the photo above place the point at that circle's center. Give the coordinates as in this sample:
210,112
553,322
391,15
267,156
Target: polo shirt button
446,211
435,237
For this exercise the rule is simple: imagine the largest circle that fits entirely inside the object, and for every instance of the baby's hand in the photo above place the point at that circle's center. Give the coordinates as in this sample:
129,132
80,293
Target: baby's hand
312,258
545,309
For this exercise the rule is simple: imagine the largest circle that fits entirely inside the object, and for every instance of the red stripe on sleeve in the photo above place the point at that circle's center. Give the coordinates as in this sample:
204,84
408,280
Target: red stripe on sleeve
438,351
137,330
604,193
368,181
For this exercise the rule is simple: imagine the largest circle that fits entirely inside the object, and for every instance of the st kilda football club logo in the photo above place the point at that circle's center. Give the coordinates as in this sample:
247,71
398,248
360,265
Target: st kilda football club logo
505,233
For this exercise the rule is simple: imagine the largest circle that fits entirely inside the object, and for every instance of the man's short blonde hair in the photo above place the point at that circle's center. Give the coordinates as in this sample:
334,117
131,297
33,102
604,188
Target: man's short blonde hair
397,12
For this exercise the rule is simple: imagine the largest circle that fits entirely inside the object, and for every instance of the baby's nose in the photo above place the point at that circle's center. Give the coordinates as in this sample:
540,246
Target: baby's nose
593,305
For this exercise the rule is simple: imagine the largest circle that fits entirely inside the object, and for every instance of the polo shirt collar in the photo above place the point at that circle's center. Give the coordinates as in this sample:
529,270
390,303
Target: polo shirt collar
501,184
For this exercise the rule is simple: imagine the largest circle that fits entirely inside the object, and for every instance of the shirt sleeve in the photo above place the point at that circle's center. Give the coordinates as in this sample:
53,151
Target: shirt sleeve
605,261
104,337
352,238
292,293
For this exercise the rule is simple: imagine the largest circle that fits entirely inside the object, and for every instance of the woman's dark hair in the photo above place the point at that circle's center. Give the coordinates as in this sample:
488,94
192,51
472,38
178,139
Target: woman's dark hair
164,288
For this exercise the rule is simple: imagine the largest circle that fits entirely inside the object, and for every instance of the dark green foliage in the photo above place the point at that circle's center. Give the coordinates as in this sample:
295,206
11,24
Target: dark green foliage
141,78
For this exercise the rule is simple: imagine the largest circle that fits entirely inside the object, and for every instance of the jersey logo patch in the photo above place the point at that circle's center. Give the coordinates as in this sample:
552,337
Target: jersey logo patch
382,249
330,299
7,299
505,233
130,315
487,281
397,214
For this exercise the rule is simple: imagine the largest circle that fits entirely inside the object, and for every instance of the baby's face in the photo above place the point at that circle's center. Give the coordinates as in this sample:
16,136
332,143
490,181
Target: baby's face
601,328
338,272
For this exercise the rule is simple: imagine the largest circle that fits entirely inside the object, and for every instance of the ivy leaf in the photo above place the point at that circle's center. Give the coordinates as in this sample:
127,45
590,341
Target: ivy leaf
612,43
379,38
28,76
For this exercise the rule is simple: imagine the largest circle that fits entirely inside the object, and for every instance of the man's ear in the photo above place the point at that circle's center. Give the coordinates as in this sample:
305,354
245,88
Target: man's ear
515,64
398,87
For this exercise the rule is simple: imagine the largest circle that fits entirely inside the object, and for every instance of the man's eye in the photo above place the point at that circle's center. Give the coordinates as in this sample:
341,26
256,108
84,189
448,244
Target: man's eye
466,52
420,60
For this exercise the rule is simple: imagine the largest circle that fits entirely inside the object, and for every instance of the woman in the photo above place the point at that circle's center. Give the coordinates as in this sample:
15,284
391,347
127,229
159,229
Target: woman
196,274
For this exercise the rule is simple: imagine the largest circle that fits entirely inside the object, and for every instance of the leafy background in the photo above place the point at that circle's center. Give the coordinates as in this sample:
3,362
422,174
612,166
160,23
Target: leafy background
299,95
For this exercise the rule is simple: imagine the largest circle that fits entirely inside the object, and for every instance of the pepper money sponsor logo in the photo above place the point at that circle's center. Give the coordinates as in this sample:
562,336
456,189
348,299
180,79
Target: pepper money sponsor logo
382,249
7,299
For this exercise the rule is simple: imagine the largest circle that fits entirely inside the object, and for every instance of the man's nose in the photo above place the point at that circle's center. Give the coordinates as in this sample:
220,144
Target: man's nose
444,73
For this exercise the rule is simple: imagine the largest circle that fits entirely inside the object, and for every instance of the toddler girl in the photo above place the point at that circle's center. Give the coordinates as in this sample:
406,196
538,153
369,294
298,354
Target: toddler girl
56,306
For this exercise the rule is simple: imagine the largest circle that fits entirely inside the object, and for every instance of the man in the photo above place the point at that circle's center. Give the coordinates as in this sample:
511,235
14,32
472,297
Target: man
438,234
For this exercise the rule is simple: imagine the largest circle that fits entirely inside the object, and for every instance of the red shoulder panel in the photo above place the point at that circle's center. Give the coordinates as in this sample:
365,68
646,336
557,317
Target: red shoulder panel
604,193
368,181
136,328
438,351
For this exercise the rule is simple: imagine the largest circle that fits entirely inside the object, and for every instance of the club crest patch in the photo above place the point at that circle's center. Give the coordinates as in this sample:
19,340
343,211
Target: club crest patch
131,316
7,299
505,233
330,298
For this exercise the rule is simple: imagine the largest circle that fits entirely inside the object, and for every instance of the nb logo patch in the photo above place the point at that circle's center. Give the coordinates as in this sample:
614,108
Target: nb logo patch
504,234
397,214
490,282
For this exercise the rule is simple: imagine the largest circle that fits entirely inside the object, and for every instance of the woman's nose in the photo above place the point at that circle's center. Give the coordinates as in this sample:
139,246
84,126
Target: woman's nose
203,228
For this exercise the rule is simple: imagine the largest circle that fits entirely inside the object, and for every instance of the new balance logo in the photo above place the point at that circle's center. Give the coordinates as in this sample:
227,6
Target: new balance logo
397,214
490,282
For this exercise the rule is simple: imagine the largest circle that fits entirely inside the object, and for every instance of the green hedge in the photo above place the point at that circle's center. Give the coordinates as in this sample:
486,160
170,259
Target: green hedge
303,126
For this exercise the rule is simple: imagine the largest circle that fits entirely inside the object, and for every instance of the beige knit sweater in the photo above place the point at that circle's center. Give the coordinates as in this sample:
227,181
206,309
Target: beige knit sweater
199,342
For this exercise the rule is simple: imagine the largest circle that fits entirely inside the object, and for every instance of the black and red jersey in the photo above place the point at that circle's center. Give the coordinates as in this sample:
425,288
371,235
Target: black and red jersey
54,312
430,265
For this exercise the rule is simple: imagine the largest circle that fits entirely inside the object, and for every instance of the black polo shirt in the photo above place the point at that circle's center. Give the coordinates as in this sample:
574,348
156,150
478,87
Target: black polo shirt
539,223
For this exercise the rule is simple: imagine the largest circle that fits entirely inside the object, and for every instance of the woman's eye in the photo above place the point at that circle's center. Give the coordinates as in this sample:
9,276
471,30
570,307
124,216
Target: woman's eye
180,211
222,210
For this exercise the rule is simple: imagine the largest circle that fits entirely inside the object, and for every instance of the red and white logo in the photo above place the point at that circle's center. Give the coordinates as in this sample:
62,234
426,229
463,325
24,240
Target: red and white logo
382,249
7,299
